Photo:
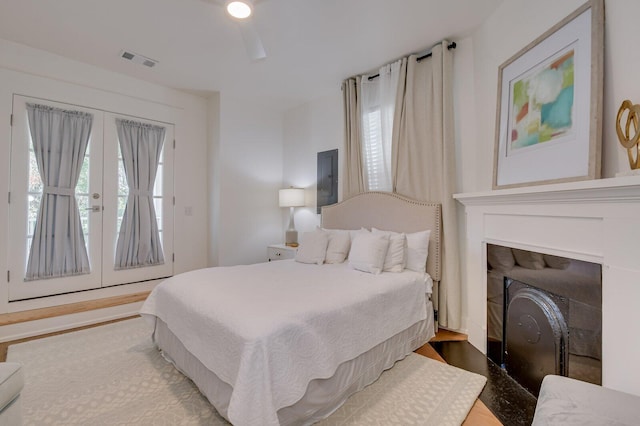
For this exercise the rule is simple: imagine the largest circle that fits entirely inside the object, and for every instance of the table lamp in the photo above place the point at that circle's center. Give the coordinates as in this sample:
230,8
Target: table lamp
291,197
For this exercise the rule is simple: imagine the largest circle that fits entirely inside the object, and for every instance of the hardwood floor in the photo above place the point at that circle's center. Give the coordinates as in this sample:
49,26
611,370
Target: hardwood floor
71,308
449,336
512,404
4,346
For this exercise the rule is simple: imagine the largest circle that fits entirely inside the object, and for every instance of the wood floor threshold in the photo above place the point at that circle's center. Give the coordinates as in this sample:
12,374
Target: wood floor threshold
71,308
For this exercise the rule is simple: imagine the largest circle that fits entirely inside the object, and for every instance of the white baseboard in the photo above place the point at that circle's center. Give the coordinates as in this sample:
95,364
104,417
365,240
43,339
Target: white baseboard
65,322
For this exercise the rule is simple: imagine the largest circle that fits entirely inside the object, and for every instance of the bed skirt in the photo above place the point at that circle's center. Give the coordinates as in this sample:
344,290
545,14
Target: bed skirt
323,396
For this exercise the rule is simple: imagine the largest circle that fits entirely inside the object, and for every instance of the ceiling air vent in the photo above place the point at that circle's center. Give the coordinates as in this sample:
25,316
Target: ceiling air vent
138,59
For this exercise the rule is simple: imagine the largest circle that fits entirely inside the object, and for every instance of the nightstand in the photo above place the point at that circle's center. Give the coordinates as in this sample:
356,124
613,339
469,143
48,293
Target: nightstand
280,251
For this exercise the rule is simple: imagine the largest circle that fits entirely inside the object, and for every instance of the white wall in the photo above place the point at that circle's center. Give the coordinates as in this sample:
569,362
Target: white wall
311,127
465,131
621,64
308,129
249,160
464,113
95,87
214,162
510,28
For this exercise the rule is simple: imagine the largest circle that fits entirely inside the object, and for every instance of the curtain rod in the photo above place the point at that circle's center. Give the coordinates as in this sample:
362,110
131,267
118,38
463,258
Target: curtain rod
419,58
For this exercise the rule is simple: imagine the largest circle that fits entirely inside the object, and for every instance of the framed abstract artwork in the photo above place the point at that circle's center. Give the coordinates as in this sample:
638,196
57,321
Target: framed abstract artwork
549,116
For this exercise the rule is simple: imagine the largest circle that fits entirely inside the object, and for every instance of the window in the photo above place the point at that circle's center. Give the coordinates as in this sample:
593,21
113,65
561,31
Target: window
377,161
378,109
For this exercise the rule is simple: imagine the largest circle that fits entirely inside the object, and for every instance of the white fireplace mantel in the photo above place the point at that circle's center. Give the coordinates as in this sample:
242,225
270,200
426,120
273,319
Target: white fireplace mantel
596,221
602,190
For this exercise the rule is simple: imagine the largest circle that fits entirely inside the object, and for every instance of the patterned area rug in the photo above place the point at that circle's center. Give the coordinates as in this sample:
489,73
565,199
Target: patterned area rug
114,375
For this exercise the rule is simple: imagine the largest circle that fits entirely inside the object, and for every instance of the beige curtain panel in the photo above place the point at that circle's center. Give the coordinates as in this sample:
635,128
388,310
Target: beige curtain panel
423,158
353,181
424,161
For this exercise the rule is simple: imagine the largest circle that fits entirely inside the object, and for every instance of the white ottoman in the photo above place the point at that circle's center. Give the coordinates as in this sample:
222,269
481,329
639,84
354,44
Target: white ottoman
565,401
11,384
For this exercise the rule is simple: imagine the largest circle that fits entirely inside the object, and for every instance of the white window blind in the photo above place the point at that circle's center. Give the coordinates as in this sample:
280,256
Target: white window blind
378,108
376,163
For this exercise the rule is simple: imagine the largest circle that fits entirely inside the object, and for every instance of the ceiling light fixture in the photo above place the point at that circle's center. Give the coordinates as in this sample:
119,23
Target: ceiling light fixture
239,9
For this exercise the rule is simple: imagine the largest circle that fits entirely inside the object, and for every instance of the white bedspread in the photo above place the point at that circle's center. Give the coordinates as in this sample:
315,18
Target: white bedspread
269,329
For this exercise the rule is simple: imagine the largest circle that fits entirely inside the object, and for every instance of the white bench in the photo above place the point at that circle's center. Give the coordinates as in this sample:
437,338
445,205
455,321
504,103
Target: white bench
564,401
11,384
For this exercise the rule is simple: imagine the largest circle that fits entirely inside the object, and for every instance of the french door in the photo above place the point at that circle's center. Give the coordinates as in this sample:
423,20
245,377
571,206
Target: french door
101,194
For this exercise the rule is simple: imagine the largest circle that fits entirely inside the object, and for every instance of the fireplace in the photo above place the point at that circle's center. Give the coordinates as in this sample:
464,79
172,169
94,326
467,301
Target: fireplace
592,221
544,316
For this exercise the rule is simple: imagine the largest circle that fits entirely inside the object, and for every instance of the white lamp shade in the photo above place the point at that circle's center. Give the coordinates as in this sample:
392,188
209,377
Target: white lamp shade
291,197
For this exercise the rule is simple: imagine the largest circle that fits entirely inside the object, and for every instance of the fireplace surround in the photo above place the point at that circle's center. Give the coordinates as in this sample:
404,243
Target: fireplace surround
593,221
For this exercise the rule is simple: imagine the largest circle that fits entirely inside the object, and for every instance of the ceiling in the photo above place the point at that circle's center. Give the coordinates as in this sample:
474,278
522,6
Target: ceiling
312,45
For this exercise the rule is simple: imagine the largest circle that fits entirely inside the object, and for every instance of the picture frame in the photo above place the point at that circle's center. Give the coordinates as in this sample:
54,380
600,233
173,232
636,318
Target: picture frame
549,112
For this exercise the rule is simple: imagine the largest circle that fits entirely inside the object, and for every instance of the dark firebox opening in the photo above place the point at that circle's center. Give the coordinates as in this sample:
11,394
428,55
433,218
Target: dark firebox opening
544,316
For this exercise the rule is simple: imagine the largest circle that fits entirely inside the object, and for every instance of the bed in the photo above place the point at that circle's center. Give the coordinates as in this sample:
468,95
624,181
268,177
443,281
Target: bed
286,343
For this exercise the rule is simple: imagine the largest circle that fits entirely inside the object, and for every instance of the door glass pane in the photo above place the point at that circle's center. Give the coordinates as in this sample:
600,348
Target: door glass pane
82,197
157,187
33,200
34,195
35,183
83,180
123,191
122,203
34,206
157,203
84,203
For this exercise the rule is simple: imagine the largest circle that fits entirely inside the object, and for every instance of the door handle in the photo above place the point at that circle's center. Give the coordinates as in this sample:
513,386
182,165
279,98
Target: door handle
95,209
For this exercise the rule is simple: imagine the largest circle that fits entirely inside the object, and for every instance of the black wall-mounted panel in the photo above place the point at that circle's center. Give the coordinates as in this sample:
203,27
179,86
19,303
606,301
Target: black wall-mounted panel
327,192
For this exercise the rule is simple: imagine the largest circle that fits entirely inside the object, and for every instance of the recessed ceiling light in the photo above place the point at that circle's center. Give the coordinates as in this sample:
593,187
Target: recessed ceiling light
239,9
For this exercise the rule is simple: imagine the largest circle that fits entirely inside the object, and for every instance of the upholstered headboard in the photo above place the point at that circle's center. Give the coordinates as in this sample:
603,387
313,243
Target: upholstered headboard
390,212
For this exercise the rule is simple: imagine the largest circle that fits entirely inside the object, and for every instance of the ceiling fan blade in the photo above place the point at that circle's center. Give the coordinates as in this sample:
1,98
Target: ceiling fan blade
252,41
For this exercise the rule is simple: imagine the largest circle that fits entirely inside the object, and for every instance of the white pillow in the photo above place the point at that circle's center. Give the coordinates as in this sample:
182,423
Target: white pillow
313,247
356,232
396,253
417,250
352,232
368,252
339,245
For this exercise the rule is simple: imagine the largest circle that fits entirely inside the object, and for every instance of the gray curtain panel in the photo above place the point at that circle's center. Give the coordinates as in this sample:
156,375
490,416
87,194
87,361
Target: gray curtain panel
60,140
139,239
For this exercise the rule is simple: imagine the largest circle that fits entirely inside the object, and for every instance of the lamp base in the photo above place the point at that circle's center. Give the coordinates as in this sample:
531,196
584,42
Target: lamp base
291,238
